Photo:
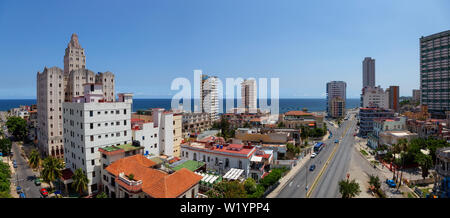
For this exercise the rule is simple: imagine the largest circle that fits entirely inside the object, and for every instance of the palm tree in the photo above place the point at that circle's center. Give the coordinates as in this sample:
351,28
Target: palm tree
52,168
348,189
80,181
375,182
35,159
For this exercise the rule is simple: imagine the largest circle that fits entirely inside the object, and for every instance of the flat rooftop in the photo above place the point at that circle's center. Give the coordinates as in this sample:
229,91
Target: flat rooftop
125,147
191,165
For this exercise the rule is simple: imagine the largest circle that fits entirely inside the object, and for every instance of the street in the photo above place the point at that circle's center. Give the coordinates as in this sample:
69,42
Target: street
296,188
24,175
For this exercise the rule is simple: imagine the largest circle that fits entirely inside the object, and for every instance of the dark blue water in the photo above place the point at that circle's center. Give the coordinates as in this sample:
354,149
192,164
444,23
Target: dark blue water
143,104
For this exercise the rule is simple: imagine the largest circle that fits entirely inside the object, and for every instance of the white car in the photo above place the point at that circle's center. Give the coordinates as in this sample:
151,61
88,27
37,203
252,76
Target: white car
313,155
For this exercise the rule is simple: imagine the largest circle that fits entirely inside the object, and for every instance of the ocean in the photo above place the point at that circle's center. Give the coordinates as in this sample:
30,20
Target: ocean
285,104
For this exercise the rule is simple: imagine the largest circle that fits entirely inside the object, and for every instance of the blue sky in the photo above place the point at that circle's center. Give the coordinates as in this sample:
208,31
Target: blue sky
149,43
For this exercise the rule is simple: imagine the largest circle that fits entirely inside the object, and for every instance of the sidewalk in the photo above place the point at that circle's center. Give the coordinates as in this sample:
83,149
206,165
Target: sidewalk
285,180
383,171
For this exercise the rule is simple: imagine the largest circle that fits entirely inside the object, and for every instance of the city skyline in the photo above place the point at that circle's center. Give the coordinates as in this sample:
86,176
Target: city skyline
161,41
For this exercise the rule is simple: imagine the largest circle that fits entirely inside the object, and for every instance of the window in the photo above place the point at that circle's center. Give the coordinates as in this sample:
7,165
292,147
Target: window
92,126
92,138
124,122
91,113
93,163
124,111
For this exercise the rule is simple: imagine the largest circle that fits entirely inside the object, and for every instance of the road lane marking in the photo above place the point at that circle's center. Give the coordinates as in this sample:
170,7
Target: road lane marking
308,194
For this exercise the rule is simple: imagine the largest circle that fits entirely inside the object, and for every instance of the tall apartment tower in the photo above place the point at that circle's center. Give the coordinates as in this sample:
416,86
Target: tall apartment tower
74,59
435,73
394,98
336,89
368,72
209,96
249,96
50,97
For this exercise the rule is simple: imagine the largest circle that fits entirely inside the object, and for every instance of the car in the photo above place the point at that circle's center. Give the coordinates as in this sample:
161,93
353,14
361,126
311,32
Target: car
391,183
313,155
15,165
312,167
354,134
44,192
18,189
22,195
336,141
14,162
37,181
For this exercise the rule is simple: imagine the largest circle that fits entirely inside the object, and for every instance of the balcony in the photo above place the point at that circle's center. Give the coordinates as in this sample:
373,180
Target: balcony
132,186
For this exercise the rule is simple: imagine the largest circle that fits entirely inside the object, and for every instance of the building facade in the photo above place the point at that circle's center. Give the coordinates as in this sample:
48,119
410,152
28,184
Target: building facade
368,72
90,123
50,98
249,96
416,95
195,122
394,92
367,116
337,107
210,96
374,97
336,89
435,73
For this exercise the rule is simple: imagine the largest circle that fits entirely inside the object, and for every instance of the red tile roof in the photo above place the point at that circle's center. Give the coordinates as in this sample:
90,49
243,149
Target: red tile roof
298,113
156,183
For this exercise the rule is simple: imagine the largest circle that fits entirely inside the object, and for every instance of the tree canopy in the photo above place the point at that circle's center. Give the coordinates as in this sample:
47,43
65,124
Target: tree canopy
17,126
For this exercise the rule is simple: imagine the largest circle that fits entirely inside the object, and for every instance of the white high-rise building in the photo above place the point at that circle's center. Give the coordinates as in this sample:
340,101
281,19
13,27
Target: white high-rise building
90,122
158,136
50,97
374,97
209,96
368,72
249,96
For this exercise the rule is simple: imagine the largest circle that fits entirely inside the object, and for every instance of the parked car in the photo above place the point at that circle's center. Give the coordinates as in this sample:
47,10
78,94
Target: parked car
391,183
18,189
15,165
312,167
44,192
22,195
336,141
313,155
37,181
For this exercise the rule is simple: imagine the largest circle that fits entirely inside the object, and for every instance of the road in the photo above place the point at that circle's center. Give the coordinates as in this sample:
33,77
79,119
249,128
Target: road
327,185
24,175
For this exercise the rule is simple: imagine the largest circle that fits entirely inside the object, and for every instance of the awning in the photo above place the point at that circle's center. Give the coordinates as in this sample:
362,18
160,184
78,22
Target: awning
256,158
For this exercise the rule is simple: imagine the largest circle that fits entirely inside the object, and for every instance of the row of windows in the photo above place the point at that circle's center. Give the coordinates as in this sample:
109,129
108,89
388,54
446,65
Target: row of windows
435,48
91,113
436,59
436,69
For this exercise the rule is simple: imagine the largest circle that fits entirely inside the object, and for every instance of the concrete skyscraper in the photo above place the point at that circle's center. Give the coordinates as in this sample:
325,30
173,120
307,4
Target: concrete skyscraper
249,96
336,89
368,72
209,100
50,97
435,73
